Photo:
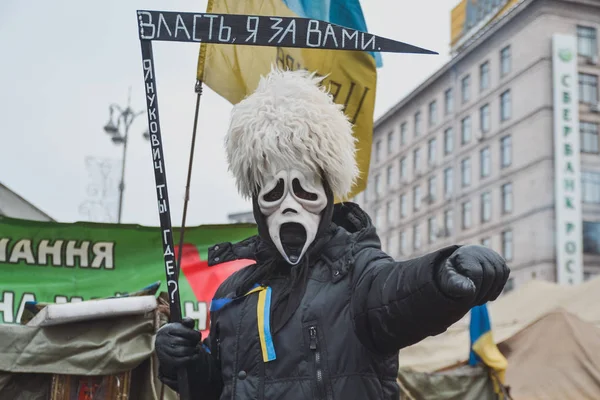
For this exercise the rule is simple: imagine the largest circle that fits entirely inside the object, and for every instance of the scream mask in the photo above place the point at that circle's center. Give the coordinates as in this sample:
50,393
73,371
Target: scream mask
291,150
292,203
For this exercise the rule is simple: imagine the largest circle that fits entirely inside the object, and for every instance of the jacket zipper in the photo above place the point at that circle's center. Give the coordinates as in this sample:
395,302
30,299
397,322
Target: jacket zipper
314,347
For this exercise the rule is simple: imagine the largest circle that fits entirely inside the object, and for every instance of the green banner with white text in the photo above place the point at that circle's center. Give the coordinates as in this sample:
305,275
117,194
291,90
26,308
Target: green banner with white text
62,262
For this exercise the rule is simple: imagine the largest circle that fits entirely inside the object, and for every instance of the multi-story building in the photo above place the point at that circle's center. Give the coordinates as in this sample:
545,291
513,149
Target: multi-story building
469,156
246,217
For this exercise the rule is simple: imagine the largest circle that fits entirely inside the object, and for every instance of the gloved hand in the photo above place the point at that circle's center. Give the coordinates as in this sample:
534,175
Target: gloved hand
473,274
177,346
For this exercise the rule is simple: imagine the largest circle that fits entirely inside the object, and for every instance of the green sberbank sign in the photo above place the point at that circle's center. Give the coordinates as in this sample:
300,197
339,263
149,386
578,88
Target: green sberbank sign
569,240
56,262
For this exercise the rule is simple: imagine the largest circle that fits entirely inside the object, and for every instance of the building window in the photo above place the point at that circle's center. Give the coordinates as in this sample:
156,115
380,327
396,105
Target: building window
433,113
505,151
591,237
465,169
587,45
378,218
589,137
466,88
388,176
486,242
590,187
417,123
505,106
588,88
485,162
448,101
377,185
507,245
388,212
510,285
416,159
448,141
466,215
416,237
431,228
448,222
484,76
505,61
403,133
403,206
417,198
431,188
402,243
448,182
378,151
431,151
388,245
390,142
465,130
589,275
507,205
403,171
486,207
484,118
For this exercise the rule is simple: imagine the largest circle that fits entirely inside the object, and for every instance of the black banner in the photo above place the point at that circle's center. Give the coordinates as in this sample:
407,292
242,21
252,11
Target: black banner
160,178
255,30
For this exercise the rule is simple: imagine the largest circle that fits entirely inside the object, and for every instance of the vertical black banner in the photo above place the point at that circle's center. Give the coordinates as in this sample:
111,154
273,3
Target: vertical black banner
162,196
160,177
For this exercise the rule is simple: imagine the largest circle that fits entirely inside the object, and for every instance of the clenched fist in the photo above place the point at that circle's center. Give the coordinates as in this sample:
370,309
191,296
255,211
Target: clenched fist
473,274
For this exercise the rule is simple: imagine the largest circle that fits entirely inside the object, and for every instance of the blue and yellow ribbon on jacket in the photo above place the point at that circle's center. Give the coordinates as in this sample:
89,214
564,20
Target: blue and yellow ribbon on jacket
263,316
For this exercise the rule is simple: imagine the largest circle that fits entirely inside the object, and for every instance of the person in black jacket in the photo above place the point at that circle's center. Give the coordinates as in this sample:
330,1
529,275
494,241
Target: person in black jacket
323,311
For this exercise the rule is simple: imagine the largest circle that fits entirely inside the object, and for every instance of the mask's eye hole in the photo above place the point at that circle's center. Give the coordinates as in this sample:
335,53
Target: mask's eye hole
301,193
276,193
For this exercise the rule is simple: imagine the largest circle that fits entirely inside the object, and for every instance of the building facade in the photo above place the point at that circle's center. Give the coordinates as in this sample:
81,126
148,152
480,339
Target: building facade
246,217
469,156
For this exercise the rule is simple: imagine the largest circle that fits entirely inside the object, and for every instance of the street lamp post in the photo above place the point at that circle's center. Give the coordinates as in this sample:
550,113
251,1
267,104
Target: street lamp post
124,119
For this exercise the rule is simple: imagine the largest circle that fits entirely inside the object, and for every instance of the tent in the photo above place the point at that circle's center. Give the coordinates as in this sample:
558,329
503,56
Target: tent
556,357
58,360
461,383
509,314
550,335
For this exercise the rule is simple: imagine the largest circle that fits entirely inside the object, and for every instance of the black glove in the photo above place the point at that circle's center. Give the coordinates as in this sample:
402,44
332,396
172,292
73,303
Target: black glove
473,274
178,346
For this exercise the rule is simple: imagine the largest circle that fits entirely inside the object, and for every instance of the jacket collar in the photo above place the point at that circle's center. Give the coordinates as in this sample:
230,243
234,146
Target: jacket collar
351,226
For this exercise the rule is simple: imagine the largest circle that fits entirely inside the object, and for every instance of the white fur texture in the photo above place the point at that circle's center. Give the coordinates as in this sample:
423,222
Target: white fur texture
290,122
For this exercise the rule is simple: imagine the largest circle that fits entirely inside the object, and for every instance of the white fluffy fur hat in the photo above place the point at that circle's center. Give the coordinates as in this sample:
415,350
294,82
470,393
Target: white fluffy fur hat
290,121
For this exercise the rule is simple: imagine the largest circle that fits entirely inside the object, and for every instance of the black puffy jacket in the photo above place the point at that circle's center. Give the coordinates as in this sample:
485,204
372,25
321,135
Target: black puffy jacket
359,309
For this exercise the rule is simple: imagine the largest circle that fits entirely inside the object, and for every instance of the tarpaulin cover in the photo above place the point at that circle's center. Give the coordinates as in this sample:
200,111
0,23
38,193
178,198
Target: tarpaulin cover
465,383
555,358
30,355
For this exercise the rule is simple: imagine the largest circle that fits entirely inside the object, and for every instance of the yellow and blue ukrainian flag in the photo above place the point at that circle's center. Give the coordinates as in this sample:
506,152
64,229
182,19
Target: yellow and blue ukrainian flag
483,347
234,71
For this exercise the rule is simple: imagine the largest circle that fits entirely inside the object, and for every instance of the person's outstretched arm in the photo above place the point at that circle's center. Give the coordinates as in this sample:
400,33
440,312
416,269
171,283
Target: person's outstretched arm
398,303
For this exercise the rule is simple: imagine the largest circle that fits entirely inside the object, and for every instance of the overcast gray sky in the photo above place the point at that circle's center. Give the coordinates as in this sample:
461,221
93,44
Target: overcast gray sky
63,62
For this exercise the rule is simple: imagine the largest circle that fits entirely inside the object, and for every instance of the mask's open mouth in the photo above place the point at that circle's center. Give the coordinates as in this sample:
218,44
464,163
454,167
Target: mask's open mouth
293,238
